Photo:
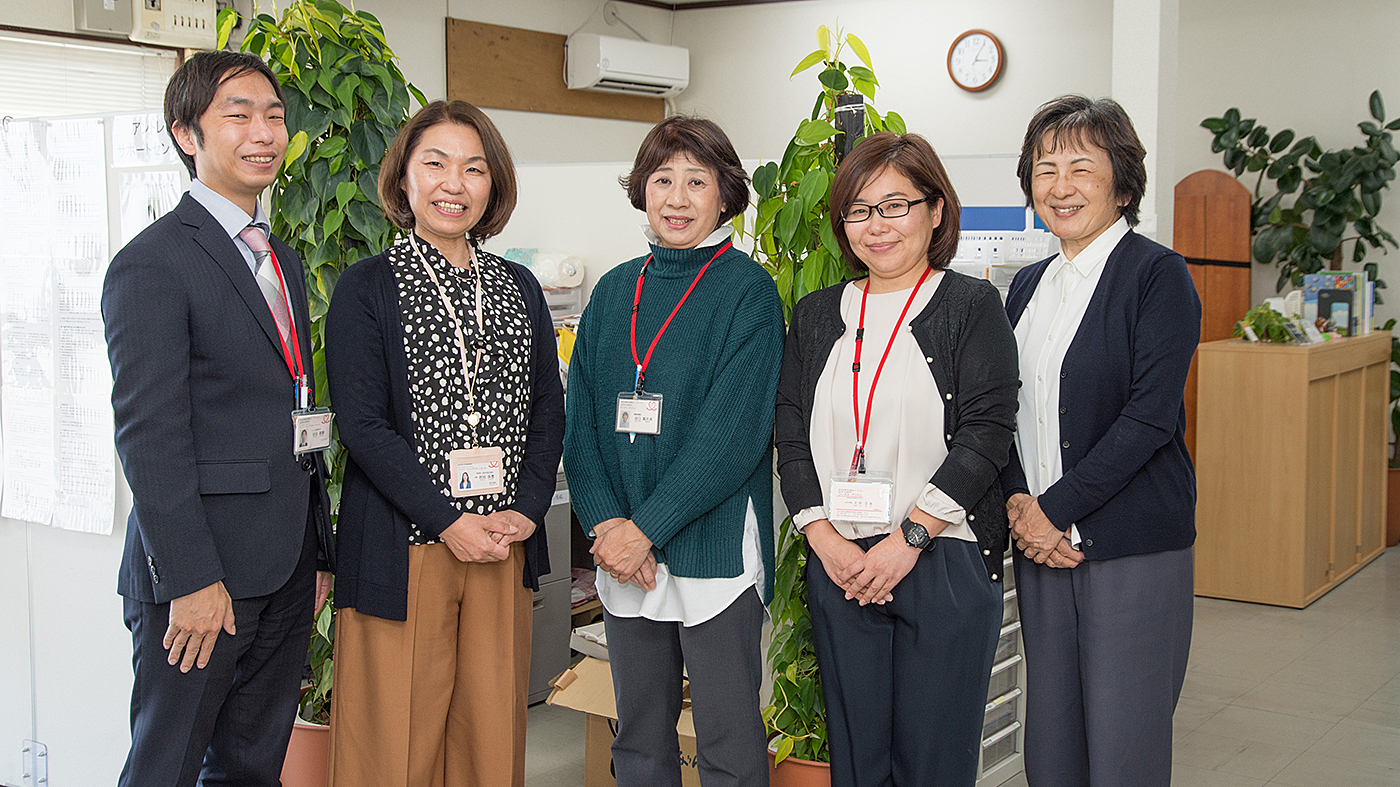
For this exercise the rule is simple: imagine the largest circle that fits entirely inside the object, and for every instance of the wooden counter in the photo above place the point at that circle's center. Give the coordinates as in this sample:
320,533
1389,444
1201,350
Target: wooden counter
1290,466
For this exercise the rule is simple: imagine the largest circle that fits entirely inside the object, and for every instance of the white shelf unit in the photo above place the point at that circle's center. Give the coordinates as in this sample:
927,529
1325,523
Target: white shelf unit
1003,726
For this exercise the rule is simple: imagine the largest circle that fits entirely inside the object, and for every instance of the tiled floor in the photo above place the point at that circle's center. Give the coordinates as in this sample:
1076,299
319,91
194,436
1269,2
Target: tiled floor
1273,696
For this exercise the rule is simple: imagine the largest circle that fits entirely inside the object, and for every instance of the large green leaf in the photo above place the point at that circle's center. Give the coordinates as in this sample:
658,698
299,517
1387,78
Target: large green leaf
812,188
807,62
834,79
815,132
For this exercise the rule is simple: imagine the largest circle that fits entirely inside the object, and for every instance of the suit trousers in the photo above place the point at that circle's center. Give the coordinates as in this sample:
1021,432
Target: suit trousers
723,658
437,700
226,724
1106,649
905,682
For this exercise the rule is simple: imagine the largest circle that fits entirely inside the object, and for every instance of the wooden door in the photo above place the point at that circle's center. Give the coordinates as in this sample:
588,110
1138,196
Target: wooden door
1210,229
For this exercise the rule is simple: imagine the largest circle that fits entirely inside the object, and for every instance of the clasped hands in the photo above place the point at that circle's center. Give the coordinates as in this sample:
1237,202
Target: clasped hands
868,577
478,538
624,551
1036,536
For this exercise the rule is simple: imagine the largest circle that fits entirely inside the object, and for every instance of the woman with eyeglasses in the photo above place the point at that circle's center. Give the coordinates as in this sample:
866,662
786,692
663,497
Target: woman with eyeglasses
905,531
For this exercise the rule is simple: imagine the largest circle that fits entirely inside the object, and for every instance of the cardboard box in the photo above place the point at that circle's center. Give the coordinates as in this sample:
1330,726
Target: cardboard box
588,687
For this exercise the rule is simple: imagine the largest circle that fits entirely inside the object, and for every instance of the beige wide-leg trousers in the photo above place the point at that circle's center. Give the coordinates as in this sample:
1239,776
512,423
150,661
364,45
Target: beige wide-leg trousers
437,700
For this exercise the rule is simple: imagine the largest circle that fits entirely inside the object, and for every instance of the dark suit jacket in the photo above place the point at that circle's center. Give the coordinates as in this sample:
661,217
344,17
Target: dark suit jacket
1128,483
203,402
386,486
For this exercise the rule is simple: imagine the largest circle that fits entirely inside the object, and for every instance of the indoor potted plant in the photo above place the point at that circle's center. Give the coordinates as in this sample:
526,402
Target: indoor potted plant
793,240
1333,189
346,100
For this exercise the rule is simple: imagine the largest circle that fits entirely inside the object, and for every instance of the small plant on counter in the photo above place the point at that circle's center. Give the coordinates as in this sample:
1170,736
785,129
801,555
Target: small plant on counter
1266,323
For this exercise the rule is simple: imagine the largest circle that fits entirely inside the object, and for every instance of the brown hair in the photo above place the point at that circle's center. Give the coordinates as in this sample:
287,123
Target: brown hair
499,165
1075,120
911,156
706,143
193,87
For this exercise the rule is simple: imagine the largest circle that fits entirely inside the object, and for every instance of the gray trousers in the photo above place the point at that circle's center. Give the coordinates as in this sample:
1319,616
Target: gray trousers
724,661
1106,649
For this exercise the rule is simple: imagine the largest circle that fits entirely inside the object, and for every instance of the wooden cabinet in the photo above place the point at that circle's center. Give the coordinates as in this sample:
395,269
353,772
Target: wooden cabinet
1290,466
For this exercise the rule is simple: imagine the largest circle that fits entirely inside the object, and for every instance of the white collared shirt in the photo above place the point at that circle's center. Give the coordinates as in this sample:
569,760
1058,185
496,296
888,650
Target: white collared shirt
1043,335
232,218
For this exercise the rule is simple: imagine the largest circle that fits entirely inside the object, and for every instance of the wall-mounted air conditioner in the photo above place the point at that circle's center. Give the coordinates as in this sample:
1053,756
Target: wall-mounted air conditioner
620,65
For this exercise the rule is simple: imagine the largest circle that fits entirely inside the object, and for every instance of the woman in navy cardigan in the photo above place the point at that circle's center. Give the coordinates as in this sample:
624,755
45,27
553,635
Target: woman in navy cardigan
1101,493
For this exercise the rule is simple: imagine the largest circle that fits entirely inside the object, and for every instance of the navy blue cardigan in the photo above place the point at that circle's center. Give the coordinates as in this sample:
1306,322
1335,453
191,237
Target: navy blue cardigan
385,486
1129,483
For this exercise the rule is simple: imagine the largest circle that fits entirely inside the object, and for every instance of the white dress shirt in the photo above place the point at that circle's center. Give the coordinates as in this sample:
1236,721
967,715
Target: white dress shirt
232,218
1043,335
686,600
906,417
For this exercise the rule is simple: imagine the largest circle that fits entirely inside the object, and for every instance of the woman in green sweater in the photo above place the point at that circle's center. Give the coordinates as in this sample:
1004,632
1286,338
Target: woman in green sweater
668,451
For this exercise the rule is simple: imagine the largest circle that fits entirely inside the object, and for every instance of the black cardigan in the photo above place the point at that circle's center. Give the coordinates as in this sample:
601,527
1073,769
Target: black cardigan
385,485
1129,484
971,354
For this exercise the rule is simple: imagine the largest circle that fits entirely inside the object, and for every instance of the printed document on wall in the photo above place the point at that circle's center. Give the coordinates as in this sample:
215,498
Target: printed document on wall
56,419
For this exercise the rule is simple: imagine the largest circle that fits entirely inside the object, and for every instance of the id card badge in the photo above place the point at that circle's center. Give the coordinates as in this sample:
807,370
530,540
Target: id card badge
867,498
475,471
311,430
638,413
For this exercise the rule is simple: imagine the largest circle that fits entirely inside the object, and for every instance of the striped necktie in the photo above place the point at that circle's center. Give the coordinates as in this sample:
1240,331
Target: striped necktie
266,274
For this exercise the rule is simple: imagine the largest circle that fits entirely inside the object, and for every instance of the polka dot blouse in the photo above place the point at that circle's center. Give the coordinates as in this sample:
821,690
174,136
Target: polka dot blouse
436,384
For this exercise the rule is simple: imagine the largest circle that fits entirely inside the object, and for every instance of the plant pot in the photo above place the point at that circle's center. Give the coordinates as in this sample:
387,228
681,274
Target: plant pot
1392,507
308,756
798,773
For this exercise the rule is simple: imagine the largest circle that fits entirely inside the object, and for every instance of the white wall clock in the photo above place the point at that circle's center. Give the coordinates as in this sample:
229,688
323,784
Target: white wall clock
975,60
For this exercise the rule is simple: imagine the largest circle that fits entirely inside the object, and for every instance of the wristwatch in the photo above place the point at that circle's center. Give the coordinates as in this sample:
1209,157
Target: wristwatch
916,536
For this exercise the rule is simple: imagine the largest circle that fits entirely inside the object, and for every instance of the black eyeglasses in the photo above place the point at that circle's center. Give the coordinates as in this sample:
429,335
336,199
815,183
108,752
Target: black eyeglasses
890,209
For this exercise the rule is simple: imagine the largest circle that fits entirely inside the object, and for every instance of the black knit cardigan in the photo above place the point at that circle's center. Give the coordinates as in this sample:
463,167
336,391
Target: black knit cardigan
971,352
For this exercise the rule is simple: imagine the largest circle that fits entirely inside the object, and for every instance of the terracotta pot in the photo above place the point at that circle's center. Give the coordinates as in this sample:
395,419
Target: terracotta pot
798,773
308,756
1392,507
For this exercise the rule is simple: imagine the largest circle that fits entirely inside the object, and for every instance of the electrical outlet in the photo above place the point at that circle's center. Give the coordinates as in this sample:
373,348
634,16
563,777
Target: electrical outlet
180,23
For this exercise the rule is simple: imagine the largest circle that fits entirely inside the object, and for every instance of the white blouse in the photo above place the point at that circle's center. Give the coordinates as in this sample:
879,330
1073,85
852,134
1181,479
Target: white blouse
1043,335
906,417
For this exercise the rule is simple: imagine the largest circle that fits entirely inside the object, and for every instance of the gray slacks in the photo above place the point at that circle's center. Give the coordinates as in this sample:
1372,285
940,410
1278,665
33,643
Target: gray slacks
1106,648
724,661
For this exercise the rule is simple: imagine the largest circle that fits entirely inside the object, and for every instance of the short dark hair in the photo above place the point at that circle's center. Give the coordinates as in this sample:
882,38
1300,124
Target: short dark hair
394,168
913,157
1101,122
193,87
705,142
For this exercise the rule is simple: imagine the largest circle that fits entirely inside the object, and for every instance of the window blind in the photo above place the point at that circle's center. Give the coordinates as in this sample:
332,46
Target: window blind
48,76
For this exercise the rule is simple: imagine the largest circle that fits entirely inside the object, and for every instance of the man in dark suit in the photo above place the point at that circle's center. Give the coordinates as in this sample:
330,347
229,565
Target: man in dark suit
209,339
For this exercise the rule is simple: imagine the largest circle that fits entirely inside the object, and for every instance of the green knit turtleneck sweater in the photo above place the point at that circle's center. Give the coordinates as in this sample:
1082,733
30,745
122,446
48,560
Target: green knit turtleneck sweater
688,487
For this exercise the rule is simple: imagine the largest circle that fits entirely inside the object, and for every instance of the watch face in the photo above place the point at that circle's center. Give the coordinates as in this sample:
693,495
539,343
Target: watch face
915,535
974,61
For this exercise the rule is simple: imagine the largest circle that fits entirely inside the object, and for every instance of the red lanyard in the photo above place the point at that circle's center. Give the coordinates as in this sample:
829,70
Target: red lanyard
862,432
297,373
642,363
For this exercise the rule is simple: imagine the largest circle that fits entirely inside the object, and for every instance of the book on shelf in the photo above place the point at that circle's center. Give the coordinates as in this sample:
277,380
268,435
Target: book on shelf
1334,301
